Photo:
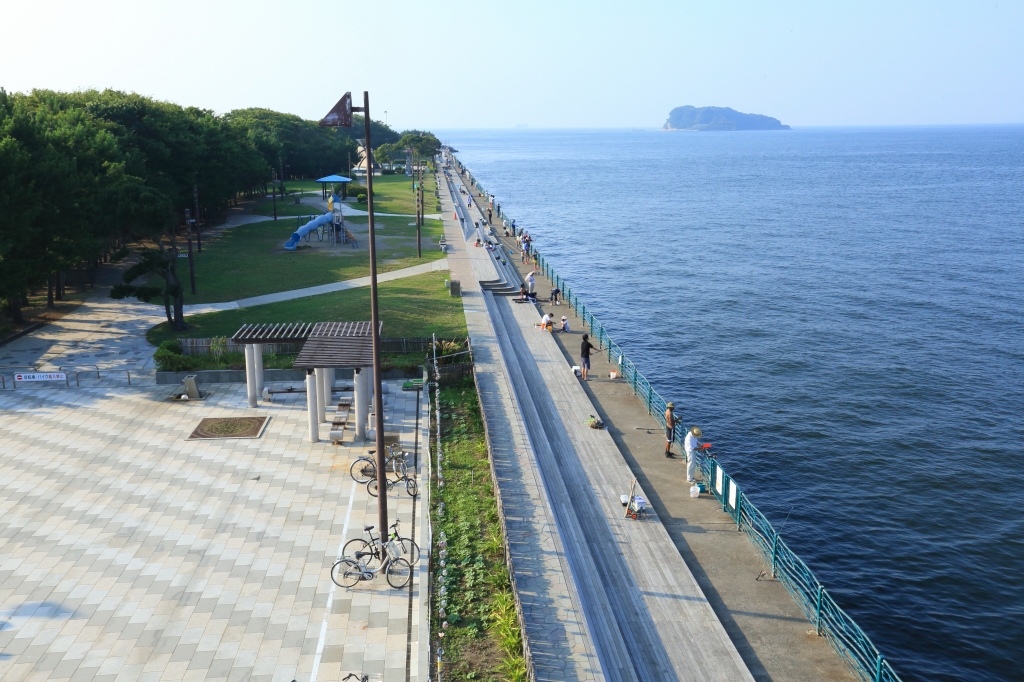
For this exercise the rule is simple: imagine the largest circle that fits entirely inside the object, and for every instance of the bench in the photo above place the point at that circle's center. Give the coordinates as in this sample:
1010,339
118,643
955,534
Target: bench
337,431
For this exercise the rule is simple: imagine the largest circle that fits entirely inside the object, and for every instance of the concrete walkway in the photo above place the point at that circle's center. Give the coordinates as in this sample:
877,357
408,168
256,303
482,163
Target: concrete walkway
433,266
644,617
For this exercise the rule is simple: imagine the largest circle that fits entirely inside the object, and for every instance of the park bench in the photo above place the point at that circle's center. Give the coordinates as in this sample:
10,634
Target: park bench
340,420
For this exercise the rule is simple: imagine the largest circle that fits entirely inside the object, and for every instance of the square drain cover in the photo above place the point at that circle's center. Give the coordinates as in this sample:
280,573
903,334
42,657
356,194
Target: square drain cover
229,427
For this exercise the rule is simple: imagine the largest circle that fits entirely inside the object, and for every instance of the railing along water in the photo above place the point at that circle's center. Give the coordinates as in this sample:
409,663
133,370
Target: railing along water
830,621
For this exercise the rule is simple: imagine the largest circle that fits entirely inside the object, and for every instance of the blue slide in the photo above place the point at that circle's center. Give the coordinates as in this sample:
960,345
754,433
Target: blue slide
325,219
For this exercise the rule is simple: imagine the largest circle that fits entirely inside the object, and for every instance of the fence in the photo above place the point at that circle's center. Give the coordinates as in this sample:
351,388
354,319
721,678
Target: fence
388,345
830,621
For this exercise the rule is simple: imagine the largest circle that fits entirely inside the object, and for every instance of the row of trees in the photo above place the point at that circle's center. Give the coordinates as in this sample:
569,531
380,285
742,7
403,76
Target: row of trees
85,173
424,145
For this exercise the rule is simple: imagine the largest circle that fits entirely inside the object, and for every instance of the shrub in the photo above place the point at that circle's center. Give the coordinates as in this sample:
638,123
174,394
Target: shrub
166,361
172,345
361,198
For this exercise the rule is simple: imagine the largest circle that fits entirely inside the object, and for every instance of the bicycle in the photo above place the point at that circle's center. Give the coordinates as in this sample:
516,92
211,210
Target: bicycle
362,678
364,469
347,572
411,486
407,547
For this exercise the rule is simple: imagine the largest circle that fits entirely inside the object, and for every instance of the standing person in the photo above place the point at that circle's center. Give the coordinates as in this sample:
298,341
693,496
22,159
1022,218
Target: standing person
670,427
530,281
691,445
585,349
488,216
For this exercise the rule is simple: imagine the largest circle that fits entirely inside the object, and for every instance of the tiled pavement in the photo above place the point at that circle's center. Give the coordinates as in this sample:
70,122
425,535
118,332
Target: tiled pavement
130,553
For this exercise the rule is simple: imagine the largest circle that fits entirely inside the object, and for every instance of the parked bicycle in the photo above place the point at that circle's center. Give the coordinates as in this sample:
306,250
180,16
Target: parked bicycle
347,572
376,677
371,550
411,486
364,469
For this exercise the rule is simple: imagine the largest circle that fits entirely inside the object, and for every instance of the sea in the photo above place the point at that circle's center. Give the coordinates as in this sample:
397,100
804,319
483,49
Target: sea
841,310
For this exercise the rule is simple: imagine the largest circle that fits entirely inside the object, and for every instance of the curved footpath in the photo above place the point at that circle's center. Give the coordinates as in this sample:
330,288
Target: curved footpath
604,597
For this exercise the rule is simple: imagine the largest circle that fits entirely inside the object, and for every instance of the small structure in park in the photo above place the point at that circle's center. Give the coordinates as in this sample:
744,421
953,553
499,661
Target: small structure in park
327,346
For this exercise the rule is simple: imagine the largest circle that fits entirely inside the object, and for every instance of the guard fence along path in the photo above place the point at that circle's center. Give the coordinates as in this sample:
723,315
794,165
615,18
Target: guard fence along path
828,618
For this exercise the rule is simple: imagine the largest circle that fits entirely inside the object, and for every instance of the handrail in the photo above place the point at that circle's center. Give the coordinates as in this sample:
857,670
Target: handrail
830,621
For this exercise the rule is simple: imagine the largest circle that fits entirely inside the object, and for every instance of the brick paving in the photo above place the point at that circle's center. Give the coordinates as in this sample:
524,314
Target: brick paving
130,553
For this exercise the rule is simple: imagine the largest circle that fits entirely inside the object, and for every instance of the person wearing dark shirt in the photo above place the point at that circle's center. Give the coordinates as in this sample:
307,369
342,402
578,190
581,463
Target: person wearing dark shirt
585,349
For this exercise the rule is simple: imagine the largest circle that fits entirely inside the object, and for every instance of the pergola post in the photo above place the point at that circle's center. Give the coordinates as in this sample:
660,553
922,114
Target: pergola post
311,407
361,399
328,389
321,406
257,365
250,373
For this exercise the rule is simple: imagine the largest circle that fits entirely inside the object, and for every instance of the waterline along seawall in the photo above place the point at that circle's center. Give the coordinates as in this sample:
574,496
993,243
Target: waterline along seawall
829,620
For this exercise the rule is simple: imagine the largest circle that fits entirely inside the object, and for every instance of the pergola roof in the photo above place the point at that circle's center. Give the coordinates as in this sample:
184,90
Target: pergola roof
275,333
335,352
337,344
334,178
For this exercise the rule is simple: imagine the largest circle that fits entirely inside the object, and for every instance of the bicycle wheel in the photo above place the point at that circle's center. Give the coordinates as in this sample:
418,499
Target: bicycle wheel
400,467
346,573
412,487
399,573
359,545
371,487
408,549
362,470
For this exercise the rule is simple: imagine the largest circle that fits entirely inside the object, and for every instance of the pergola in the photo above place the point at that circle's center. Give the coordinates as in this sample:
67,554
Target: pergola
327,346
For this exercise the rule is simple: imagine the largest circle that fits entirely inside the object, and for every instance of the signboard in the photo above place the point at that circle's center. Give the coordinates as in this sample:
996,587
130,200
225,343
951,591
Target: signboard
340,115
182,255
42,376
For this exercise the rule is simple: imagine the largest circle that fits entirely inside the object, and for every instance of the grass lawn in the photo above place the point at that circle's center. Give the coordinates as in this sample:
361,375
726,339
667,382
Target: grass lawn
250,260
414,306
393,194
286,208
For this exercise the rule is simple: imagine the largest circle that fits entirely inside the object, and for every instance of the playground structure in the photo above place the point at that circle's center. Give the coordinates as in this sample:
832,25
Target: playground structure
329,226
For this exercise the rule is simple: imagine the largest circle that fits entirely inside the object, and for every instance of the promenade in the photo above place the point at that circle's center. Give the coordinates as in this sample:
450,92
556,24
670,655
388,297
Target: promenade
629,608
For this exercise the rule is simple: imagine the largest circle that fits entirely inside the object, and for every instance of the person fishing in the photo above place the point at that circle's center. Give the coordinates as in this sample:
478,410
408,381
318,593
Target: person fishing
691,445
670,427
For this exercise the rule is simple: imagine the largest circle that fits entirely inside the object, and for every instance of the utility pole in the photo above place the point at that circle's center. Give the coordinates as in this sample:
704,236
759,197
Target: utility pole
273,192
191,261
419,215
195,207
378,392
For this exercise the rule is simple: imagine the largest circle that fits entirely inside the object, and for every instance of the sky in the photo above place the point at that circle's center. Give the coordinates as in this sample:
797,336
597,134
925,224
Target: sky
551,64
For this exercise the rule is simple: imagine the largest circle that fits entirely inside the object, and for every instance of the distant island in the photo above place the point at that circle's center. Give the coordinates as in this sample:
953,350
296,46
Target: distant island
719,118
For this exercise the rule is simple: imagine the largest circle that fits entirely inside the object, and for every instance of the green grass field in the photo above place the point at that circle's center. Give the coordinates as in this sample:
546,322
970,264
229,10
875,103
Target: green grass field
410,307
393,194
249,260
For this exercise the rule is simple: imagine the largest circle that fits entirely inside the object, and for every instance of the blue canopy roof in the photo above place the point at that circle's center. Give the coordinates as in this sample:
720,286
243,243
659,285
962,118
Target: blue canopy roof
334,178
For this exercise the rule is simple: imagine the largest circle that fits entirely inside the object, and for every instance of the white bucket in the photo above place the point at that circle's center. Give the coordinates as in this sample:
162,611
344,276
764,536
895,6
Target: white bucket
613,375
695,491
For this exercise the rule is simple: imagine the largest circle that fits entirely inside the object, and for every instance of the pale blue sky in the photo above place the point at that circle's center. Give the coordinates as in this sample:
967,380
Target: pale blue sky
462,64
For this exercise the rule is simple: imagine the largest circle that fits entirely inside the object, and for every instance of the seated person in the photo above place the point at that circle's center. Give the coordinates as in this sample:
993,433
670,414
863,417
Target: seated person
565,325
477,242
545,321
522,292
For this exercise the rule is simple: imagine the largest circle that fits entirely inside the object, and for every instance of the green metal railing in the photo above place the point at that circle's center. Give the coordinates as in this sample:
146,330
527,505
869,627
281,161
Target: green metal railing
830,621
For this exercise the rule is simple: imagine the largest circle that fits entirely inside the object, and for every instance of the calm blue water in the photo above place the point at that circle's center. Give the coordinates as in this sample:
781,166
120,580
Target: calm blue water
841,311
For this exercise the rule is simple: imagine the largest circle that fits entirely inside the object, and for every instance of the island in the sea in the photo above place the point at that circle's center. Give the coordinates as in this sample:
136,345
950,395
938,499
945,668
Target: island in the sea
719,118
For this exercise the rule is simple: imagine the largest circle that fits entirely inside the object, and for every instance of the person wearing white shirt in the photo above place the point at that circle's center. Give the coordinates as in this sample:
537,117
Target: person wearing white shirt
530,282
691,445
545,321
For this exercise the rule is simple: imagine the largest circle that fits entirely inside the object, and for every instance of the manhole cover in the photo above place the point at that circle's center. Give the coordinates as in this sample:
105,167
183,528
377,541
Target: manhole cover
229,427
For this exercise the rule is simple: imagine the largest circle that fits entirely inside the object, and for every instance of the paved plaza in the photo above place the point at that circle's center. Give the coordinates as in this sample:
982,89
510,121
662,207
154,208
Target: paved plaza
128,552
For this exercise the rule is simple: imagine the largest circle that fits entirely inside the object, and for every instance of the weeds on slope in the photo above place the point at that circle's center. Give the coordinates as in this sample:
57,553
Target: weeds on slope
482,640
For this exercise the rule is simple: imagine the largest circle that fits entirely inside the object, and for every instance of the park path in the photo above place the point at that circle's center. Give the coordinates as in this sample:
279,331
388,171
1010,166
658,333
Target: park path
635,606
422,269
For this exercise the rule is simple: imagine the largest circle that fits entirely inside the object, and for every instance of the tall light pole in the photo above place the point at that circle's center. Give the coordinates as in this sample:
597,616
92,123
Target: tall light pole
341,115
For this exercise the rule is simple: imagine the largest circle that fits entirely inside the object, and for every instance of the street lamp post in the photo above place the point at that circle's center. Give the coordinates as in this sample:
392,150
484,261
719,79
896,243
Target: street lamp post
341,115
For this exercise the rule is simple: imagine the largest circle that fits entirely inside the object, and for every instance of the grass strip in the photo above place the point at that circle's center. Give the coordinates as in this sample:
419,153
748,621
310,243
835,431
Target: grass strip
482,640
410,307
